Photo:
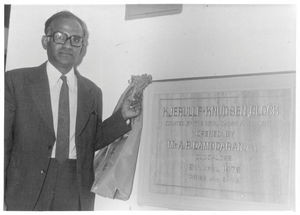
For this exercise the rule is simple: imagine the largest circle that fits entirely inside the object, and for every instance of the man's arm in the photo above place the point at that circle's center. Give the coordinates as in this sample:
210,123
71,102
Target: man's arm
112,128
128,107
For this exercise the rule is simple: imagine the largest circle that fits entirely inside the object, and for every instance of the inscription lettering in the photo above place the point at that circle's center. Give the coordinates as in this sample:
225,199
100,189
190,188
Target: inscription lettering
221,111
210,146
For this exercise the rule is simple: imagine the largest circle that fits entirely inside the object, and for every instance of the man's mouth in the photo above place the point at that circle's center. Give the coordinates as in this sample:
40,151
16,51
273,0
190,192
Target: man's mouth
66,53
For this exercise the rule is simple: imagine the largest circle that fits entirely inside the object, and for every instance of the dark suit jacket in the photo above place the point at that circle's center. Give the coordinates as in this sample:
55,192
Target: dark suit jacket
29,135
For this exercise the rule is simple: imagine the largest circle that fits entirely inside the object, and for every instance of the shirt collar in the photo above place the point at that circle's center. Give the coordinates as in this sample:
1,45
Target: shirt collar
54,76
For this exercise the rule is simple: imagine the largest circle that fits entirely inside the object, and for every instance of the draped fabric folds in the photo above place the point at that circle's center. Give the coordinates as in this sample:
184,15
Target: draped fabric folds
115,164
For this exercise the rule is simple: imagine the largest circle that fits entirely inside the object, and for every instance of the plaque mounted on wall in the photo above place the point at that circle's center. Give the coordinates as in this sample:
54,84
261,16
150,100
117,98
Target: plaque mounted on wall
220,143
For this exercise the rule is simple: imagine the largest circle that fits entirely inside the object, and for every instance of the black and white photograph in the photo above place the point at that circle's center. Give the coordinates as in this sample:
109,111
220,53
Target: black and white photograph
150,107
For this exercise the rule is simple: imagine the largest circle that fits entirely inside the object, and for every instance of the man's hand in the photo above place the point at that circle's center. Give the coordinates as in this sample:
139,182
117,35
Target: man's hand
131,100
131,109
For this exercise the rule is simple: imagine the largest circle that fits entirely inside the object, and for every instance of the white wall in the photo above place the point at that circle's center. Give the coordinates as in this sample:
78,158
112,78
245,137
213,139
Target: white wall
202,40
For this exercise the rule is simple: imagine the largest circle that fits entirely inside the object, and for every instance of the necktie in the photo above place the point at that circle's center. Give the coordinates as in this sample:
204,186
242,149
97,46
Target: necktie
63,124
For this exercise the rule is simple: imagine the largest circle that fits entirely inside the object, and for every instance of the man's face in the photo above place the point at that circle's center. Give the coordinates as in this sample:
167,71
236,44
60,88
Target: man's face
63,56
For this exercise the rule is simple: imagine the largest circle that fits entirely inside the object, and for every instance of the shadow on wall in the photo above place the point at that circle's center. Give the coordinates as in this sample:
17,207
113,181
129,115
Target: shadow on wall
6,27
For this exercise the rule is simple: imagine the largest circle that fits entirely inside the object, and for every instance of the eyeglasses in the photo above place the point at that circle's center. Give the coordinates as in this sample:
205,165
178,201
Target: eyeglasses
61,38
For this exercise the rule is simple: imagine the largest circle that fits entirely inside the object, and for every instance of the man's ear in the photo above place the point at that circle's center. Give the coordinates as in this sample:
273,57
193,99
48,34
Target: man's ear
45,41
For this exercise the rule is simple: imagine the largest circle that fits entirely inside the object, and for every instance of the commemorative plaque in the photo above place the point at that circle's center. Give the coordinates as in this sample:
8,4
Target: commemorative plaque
224,149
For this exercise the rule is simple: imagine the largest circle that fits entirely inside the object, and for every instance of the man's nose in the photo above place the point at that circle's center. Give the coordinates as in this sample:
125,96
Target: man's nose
68,43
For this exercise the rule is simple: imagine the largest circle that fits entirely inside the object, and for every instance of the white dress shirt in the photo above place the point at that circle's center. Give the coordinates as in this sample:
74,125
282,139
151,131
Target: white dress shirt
55,83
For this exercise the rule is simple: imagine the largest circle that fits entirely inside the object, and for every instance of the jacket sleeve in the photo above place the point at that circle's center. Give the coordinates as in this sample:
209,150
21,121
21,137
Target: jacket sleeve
9,115
111,128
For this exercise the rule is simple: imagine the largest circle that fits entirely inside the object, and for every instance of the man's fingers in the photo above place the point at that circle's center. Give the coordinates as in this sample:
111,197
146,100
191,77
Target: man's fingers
135,103
136,108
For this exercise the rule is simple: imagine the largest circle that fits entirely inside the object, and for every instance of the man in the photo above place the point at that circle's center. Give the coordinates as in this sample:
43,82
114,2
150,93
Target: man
53,125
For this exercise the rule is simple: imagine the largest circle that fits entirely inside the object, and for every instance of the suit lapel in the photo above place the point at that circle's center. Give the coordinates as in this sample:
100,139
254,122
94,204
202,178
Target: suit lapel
41,95
85,103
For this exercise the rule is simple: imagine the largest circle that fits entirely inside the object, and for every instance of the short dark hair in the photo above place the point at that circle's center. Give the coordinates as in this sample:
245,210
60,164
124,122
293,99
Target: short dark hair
67,14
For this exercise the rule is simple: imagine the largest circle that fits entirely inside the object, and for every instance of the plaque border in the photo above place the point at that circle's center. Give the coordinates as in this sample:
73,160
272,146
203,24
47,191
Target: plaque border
284,80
